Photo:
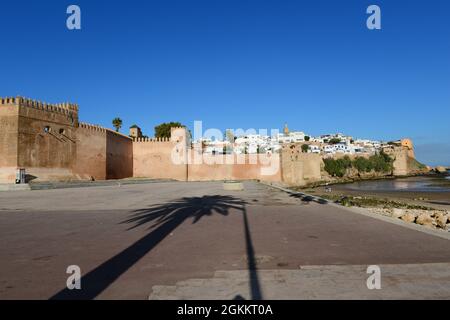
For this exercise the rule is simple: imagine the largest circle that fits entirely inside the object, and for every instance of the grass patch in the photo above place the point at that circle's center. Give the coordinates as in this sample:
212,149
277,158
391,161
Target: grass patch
370,202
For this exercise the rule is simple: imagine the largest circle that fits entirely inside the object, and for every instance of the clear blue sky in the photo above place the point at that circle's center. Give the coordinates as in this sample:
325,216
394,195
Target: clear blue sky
240,64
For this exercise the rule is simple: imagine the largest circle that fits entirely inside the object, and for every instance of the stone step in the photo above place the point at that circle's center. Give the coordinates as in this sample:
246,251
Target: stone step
14,187
421,281
85,183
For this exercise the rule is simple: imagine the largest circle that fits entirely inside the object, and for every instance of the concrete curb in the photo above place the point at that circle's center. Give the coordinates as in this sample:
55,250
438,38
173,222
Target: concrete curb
365,212
50,185
87,184
14,187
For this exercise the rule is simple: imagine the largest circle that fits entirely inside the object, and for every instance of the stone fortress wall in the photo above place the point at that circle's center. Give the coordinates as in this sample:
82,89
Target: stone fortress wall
9,128
51,144
298,168
152,157
404,158
235,167
102,154
91,152
37,136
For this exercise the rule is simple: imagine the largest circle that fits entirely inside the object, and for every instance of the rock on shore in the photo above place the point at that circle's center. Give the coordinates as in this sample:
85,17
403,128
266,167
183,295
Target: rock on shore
440,169
438,219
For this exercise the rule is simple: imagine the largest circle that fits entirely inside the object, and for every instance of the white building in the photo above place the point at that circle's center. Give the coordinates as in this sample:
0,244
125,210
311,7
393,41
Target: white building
297,136
314,148
291,137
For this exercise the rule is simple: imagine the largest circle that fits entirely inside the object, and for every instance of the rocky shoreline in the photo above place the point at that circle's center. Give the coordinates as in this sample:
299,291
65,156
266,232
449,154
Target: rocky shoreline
421,198
436,219
407,210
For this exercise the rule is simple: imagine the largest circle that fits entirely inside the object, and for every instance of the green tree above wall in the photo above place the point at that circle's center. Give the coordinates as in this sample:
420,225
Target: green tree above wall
117,123
334,141
380,162
305,148
163,130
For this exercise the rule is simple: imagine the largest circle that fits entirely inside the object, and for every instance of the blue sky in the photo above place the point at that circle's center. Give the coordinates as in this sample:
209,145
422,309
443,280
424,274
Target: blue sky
240,64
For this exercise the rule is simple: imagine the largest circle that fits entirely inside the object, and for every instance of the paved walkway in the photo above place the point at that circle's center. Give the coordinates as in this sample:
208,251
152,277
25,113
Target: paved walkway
129,239
408,281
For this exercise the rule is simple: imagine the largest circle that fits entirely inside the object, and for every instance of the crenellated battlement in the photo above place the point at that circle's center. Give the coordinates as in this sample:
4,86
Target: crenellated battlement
63,108
8,101
152,140
97,128
92,127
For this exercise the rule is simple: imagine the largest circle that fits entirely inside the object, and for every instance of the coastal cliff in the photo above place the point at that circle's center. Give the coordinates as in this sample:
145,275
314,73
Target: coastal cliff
395,160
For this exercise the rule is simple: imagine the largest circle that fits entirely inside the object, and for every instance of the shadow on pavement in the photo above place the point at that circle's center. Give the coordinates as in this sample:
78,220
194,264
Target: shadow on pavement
164,218
307,198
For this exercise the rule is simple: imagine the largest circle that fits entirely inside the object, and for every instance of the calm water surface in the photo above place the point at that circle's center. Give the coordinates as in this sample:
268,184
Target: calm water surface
418,184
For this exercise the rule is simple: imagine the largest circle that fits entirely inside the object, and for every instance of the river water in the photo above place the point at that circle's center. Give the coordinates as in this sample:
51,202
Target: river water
416,184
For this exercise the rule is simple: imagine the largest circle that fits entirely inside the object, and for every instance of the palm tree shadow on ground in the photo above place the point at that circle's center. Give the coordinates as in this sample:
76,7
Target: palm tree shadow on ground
164,218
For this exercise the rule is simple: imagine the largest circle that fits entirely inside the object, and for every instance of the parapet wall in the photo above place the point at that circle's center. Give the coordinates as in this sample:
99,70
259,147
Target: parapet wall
152,158
103,153
91,152
173,158
235,167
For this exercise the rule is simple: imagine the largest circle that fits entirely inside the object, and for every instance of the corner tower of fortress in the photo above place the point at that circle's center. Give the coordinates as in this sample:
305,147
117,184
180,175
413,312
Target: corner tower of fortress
402,151
37,136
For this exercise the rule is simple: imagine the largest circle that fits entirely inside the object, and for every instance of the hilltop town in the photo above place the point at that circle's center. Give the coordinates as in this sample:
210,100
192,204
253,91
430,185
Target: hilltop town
326,145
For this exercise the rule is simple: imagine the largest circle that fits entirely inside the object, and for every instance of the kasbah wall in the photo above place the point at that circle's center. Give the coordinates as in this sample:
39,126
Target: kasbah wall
52,145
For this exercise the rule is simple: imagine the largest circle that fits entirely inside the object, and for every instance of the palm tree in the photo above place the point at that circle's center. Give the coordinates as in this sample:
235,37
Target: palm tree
117,123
